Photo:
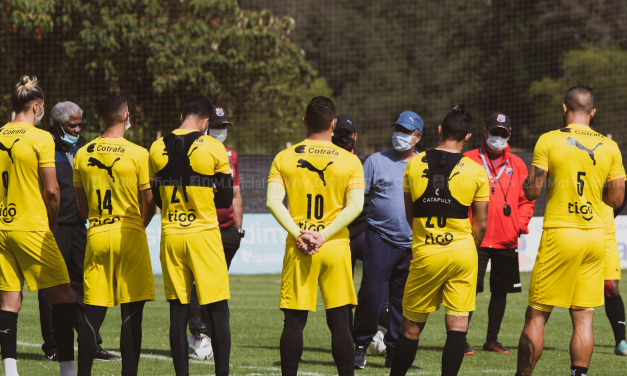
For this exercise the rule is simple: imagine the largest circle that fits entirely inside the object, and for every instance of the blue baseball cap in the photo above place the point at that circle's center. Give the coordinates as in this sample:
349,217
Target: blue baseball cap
410,120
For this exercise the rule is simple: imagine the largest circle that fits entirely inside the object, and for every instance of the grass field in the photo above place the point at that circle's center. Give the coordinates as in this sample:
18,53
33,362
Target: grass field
256,325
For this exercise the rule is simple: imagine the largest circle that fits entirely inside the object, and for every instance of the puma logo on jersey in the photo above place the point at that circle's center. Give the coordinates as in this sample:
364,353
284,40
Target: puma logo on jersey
93,162
305,164
621,322
6,331
425,173
572,142
452,176
8,150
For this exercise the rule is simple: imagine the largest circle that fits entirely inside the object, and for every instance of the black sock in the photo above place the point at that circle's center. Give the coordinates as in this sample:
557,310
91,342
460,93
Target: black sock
63,330
453,353
578,371
131,336
615,311
8,334
496,311
220,335
404,355
194,307
94,317
292,340
338,321
178,337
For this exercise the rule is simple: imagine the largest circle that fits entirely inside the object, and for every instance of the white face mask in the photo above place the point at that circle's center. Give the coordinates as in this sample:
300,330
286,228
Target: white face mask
496,143
402,141
218,134
128,124
38,118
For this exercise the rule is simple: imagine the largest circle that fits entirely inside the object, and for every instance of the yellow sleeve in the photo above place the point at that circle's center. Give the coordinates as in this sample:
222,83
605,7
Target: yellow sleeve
354,206
356,181
483,191
143,174
406,186
274,203
151,162
541,154
617,170
275,172
45,151
222,164
76,174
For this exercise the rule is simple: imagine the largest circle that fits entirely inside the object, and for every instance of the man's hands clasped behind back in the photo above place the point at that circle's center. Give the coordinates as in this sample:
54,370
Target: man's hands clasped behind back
310,242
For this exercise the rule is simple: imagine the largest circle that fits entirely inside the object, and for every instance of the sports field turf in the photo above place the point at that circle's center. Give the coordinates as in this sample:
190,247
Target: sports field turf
256,325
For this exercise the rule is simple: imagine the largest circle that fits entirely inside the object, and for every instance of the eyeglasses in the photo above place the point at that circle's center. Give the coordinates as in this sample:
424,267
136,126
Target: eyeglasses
501,132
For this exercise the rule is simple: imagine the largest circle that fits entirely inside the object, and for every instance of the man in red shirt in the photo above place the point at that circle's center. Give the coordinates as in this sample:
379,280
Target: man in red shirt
230,219
508,218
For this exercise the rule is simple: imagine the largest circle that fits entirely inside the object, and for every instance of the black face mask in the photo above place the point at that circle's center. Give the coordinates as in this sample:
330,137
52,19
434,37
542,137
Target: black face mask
345,142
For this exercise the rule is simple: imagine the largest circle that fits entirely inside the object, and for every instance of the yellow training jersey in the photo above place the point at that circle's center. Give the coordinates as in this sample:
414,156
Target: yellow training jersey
23,150
579,162
112,171
189,208
467,182
608,216
316,176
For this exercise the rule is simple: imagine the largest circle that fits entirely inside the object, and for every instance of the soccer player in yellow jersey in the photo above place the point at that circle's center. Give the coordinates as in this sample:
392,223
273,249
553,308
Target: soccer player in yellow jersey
325,193
186,167
584,171
440,185
29,203
111,181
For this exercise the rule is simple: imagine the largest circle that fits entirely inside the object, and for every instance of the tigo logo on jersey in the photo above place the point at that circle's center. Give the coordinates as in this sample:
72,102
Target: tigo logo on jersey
184,219
585,210
219,111
8,213
500,118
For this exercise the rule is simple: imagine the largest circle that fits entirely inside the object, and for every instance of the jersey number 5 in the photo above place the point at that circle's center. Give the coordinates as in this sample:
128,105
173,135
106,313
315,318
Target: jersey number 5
318,207
104,203
580,183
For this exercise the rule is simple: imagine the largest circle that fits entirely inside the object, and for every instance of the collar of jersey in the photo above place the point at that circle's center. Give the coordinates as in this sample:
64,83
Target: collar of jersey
317,141
575,125
184,131
15,123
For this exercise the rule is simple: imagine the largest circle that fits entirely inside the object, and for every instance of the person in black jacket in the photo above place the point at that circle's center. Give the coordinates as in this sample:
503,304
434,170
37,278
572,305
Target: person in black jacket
71,232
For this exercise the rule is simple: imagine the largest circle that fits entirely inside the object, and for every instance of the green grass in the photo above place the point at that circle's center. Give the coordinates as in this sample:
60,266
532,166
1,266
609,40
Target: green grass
256,325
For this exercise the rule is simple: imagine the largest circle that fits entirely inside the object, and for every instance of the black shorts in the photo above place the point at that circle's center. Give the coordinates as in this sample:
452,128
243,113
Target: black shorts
504,273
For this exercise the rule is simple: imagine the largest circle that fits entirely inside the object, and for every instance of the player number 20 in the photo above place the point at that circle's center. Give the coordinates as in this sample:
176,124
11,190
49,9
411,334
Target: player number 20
104,203
441,222
318,206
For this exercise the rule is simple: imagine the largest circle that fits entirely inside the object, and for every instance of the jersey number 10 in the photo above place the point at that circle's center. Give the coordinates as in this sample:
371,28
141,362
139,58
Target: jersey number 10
318,207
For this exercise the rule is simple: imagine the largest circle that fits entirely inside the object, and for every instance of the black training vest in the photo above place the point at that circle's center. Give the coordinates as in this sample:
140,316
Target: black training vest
436,201
178,171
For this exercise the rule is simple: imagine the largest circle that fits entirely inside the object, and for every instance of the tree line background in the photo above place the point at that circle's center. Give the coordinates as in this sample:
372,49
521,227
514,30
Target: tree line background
262,60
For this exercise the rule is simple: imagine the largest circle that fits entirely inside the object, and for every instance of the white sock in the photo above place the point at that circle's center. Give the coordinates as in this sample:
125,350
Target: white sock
10,367
67,368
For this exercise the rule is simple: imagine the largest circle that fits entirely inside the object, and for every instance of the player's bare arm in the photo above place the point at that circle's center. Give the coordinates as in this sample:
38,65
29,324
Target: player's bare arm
532,186
149,208
409,214
81,200
479,221
51,194
238,207
614,193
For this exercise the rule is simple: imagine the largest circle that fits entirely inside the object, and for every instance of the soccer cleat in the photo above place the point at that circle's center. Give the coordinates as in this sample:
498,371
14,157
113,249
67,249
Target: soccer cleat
52,357
360,357
102,354
196,326
495,347
468,350
621,349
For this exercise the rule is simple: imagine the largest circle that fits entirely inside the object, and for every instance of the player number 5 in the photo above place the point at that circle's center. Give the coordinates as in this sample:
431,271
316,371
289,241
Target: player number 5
580,183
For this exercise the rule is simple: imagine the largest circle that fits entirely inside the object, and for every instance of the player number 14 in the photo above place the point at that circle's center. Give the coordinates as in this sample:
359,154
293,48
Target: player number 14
104,203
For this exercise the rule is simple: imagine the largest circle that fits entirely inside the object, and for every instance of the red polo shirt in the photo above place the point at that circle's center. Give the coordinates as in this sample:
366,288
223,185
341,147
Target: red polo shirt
225,216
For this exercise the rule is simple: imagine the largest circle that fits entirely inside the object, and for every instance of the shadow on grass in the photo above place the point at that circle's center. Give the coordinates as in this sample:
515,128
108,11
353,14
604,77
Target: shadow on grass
306,349
325,363
29,356
162,352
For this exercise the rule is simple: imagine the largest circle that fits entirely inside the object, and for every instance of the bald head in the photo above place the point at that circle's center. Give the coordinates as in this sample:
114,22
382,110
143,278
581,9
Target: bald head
579,99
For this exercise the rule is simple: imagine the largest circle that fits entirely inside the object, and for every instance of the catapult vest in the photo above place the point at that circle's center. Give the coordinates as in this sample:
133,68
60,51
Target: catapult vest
178,171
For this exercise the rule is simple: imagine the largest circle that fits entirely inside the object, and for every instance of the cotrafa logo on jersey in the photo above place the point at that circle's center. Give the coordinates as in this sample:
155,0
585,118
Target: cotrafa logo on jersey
585,210
302,149
184,219
104,148
8,213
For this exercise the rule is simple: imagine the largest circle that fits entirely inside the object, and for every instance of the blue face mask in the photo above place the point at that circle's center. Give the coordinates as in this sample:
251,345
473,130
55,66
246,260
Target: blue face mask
67,138
401,141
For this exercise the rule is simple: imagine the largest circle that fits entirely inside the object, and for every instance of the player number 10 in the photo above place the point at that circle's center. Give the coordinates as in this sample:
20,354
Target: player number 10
318,206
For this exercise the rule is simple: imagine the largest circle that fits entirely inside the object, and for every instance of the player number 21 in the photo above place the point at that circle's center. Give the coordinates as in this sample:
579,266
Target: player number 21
318,206
104,203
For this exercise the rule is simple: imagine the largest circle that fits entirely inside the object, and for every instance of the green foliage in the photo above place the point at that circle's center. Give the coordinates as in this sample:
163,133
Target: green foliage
158,53
602,68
